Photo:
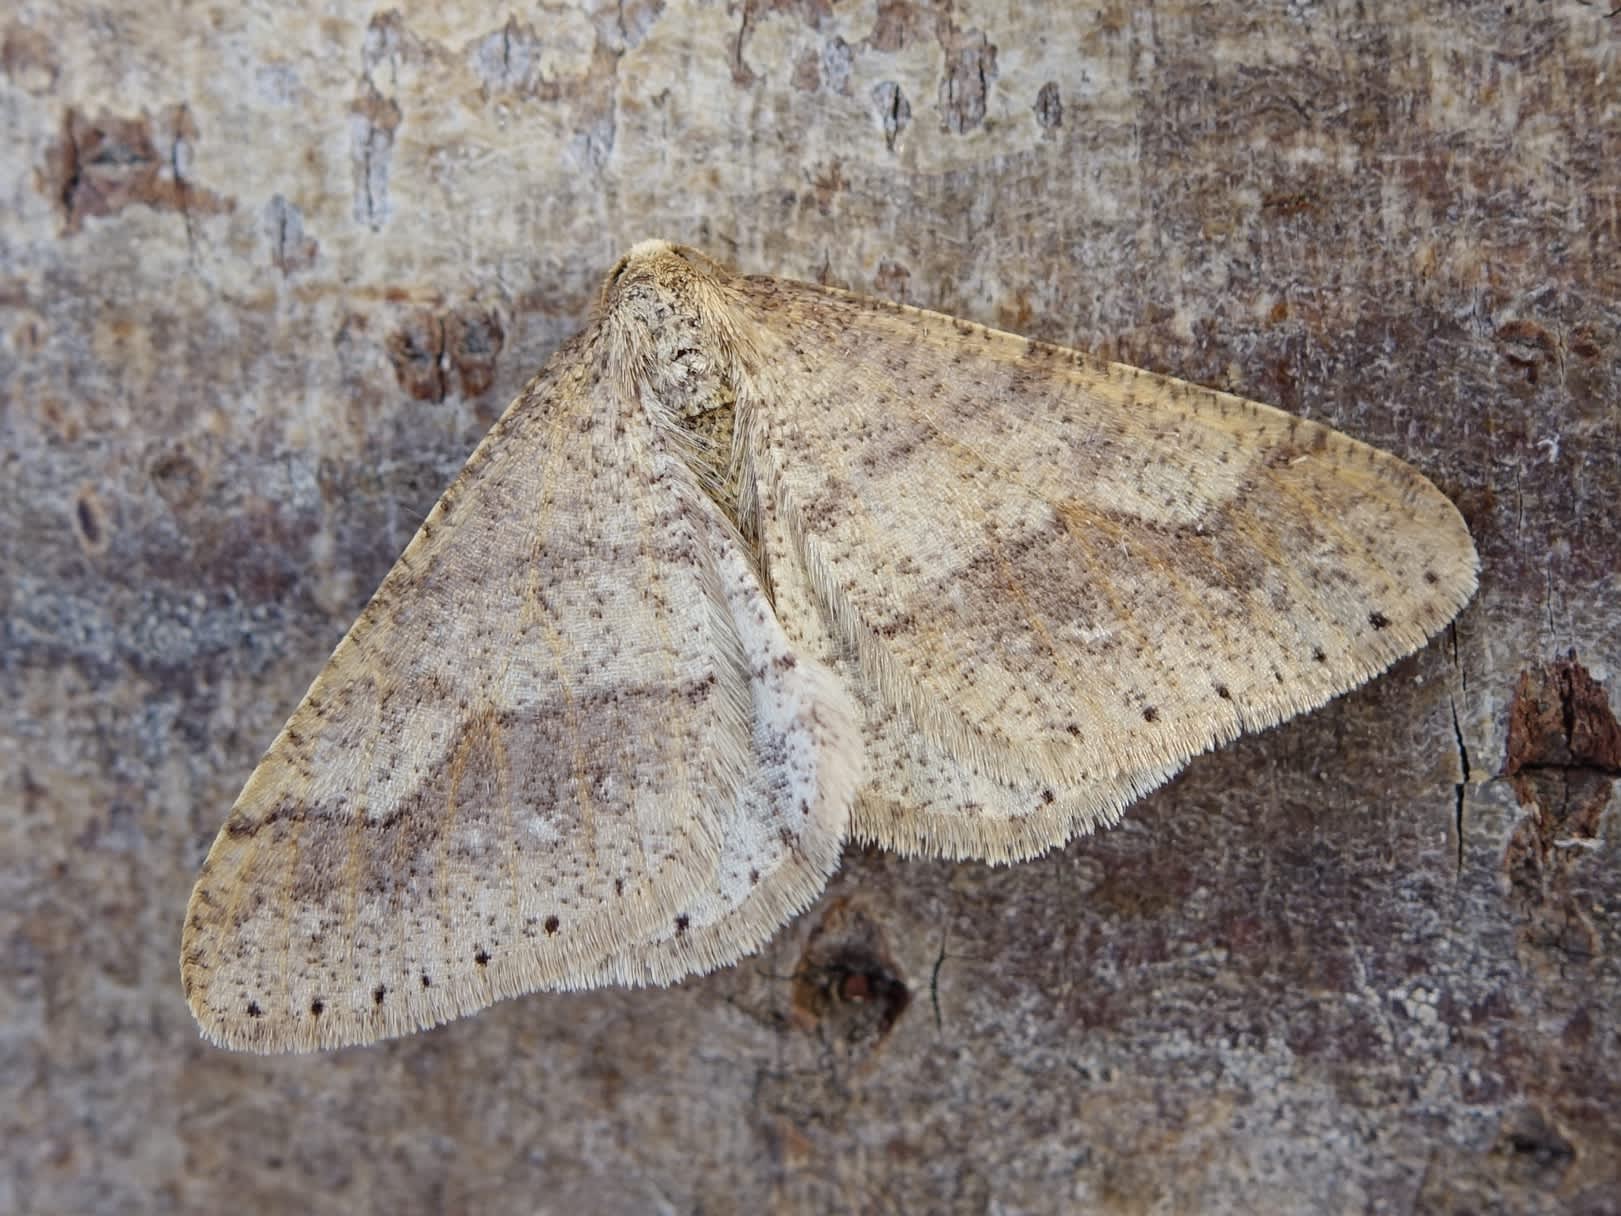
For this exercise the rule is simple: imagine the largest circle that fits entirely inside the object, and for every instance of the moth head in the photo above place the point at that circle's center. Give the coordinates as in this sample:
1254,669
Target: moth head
670,325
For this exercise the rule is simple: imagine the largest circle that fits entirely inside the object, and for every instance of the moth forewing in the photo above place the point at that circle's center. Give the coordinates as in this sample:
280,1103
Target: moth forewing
515,770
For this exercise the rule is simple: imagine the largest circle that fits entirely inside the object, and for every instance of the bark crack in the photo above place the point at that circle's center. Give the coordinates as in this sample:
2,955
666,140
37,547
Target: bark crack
1460,789
177,149
934,983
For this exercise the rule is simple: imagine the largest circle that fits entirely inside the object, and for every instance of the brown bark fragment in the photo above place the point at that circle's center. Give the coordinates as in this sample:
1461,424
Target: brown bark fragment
101,165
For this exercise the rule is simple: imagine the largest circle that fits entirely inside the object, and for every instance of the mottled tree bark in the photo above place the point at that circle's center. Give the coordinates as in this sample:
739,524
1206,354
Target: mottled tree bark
266,274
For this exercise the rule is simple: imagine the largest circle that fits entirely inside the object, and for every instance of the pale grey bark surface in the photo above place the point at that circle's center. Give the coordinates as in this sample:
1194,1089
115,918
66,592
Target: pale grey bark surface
267,273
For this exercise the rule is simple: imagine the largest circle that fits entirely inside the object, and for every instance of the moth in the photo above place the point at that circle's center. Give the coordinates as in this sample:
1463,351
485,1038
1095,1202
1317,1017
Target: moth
752,568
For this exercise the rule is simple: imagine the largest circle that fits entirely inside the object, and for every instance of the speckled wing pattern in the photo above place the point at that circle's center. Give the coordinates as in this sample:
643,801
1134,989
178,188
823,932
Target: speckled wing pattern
924,795
754,566
1051,580
565,744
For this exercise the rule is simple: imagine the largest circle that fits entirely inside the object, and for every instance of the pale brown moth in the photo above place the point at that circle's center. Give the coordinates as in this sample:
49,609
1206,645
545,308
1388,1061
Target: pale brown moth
753,567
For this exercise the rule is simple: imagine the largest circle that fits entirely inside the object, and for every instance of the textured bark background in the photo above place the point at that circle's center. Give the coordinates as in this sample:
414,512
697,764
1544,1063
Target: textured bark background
267,273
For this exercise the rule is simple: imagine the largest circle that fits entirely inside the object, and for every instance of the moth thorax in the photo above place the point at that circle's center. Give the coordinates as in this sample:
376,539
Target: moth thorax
687,370
689,379
695,388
